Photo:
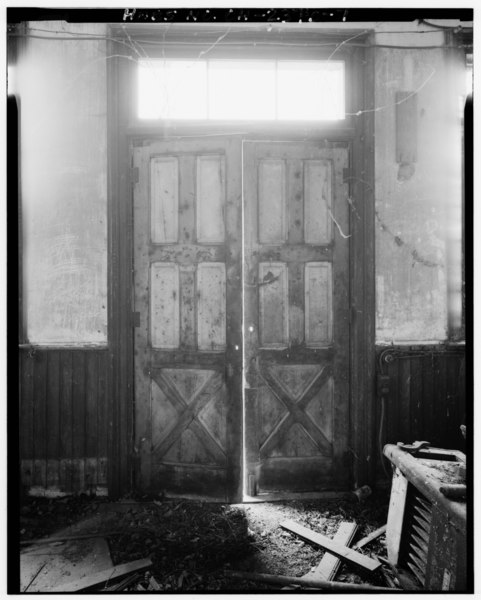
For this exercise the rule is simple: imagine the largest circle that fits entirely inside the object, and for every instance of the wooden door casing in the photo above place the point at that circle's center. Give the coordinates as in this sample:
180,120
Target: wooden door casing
188,346
296,316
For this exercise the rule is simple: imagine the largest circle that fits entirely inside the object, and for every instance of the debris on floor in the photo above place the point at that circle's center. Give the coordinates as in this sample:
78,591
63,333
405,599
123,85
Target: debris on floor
299,582
43,568
101,579
195,546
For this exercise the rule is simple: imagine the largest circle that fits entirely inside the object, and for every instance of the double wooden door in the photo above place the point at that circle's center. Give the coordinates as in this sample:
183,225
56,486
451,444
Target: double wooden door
242,340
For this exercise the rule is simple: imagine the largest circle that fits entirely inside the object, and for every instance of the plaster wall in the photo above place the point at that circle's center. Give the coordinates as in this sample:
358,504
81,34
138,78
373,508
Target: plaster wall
62,88
418,202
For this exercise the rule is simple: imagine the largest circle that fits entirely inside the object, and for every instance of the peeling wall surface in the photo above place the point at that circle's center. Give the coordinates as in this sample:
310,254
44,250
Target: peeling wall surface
418,193
62,87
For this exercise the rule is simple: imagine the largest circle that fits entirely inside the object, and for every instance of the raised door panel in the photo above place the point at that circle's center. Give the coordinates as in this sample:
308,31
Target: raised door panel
273,305
210,193
317,201
272,201
211,306
318,303
164,305
164,199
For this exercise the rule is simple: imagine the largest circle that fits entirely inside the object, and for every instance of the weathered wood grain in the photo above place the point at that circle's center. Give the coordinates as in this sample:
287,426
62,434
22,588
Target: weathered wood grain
370,537
40,418
111,574
187,405
211,306
210,199
318,291
329,565
345,554
272,201
70,418
273,304
164,305
164,199
397,505
296,302
318,201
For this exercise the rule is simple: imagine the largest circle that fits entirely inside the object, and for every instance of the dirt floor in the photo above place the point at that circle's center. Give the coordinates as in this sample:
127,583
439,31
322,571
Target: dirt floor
191,543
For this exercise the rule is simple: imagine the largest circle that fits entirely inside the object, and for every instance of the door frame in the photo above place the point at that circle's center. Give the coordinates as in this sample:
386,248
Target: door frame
358,130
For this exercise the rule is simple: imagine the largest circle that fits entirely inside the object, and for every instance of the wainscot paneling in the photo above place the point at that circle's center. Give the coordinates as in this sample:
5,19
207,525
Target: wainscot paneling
63,420
423,390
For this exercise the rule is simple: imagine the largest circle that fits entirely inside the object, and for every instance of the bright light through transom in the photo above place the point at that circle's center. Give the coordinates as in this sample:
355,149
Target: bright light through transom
241,90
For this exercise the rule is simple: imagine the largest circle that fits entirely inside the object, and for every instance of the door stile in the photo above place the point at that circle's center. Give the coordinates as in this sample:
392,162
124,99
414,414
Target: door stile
235,346
142,399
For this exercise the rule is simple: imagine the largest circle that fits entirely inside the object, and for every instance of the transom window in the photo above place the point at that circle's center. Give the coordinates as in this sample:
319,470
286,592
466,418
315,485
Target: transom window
284,90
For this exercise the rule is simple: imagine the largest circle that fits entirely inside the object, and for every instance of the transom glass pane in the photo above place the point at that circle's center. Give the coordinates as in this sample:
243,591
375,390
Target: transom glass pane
241,89
172,89
310,90
244,89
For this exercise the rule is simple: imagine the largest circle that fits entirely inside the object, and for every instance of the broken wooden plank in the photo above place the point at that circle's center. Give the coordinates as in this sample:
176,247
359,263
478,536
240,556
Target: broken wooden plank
330,564
122,585
321,584
154,584
369,538
345,554
311,573
388,579
395,515
102,576
34,578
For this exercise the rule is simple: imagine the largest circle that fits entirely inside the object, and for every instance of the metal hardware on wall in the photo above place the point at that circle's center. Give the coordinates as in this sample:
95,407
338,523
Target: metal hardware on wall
406,127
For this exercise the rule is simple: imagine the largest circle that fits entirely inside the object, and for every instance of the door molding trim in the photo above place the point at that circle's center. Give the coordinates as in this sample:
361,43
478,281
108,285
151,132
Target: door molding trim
362,276
120,256
121,134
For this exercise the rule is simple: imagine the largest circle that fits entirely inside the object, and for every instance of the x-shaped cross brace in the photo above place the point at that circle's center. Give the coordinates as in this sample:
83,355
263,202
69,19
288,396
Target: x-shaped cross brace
187,414
296,412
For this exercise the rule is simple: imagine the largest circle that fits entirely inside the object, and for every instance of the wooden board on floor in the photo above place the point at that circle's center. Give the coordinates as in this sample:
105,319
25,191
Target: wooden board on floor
369,538
345,554
329,564
395,515
89,581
